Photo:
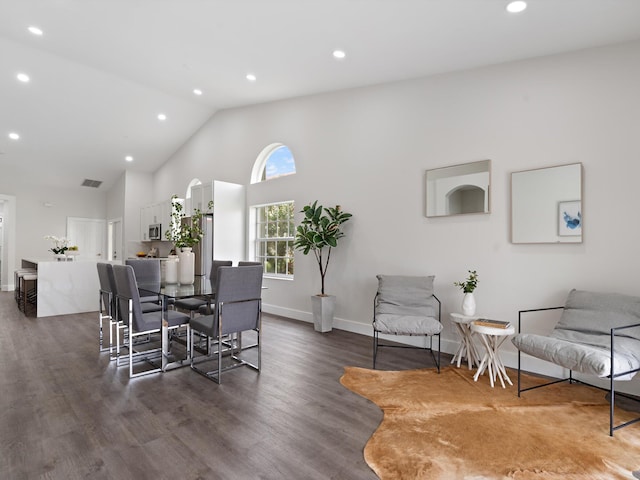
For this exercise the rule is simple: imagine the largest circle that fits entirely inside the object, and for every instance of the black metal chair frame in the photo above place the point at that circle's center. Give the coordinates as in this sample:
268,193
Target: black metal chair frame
570,379
377,344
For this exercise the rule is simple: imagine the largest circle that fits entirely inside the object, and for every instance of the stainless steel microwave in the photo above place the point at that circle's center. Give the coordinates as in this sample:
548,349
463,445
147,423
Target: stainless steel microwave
155,232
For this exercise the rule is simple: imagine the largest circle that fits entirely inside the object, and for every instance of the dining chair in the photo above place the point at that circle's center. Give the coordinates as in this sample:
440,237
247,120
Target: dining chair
202,305
107,305
141,325
237,308
193,305
148,270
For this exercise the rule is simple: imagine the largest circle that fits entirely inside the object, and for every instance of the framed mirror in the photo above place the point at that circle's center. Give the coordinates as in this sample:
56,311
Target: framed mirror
546,205
458,189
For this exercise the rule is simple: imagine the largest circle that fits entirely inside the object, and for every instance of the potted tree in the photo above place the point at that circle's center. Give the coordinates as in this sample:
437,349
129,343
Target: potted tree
185,235
319,232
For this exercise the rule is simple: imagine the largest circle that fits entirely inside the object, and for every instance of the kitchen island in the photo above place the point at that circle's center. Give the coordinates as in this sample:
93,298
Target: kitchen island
66,287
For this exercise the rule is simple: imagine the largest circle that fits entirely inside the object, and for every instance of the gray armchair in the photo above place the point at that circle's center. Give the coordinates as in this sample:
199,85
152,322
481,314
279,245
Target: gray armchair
237,308
598,334
406,306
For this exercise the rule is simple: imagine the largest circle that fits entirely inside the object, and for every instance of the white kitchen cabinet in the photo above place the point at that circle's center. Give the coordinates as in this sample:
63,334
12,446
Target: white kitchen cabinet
156,213
204,193
145,221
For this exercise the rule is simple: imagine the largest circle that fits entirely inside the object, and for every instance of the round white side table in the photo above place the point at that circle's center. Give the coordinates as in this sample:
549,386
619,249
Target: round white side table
467,347
492,338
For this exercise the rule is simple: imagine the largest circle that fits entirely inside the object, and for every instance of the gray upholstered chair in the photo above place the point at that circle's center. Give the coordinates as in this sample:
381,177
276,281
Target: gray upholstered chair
193,305
248,263
598,334
140,324
406,306
205,307
237,308
107,306
148,270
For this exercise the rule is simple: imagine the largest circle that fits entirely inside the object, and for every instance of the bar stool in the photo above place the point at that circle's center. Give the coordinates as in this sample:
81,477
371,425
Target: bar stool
29,295
17,282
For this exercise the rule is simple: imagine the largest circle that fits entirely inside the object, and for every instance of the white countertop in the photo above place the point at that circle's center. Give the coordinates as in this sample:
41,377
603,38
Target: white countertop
54,260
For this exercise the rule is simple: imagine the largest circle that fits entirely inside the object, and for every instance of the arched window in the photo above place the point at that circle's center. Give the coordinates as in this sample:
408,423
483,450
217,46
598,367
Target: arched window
275,160
273,224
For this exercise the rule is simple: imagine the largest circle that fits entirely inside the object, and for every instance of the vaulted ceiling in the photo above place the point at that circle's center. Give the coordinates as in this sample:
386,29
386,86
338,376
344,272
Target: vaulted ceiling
103,70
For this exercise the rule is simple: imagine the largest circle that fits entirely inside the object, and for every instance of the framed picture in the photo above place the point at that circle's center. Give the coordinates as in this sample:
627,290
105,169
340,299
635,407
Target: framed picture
570,218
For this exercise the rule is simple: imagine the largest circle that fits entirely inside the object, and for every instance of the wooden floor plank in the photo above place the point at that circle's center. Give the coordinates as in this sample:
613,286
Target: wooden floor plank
66,411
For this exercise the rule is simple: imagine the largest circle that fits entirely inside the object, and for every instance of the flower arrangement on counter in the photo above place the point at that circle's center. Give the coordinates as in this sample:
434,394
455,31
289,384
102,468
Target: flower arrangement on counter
60,244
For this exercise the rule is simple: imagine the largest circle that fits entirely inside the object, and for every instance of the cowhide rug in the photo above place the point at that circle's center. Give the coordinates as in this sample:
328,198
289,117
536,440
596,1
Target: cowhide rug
449,427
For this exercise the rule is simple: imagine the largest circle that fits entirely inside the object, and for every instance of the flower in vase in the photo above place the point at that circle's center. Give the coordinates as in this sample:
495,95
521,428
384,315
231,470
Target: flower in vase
60,244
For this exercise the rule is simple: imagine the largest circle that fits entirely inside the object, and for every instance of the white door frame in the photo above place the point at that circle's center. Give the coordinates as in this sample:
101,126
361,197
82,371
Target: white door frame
114,238
8,242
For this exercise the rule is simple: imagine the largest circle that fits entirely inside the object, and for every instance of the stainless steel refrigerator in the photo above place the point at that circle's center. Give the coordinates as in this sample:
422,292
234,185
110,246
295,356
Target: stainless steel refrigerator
203,250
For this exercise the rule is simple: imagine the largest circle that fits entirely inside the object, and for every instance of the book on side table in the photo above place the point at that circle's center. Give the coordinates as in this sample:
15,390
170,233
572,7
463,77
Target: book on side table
487,322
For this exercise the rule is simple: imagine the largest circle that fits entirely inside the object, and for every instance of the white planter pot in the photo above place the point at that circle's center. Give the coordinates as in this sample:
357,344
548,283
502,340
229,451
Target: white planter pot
323,308
186,266
469,305
171,269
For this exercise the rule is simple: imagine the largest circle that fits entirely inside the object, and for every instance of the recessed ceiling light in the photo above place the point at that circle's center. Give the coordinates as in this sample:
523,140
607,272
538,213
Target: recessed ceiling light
197,91
251,77
23,77
339,54
129,158
14,136
516,7
162,117
35,30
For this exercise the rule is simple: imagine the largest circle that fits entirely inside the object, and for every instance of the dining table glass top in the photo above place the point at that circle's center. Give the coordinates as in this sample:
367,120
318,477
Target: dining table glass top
202,286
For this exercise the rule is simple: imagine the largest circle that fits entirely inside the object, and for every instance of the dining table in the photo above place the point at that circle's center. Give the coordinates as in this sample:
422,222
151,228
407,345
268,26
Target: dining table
168,293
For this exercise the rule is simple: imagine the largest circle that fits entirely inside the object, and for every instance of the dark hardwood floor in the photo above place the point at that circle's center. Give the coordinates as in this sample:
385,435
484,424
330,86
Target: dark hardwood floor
66,412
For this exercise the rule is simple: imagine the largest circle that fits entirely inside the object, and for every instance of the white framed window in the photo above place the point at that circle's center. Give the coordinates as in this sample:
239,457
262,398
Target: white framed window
275,232
275,161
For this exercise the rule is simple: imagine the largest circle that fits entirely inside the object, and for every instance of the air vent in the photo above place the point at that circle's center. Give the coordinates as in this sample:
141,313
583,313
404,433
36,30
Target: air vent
91,183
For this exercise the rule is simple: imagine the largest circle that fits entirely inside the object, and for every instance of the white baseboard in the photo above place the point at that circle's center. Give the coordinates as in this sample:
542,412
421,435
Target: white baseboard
450,346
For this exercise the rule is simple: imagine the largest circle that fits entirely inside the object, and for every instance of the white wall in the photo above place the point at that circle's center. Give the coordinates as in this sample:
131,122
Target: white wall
34,219
368,148
138,192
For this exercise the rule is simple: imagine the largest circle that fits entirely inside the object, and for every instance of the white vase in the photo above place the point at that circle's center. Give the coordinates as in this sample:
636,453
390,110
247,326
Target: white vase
323,308
186,266
468,305
171,269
